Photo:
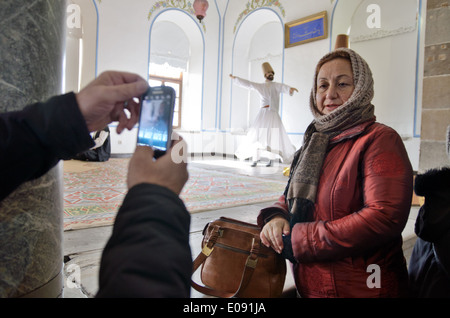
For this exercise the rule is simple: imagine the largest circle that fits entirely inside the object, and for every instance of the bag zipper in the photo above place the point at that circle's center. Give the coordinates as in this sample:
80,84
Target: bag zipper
237,250
249,225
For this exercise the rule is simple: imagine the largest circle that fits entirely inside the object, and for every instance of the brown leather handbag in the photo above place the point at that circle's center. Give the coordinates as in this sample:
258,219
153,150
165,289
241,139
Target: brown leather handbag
236,264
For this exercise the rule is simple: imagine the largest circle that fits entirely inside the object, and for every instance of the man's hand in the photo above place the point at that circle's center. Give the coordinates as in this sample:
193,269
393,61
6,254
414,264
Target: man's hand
165,171
105,99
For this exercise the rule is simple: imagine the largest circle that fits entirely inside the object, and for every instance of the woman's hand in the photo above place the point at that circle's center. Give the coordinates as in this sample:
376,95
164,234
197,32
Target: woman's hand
271,234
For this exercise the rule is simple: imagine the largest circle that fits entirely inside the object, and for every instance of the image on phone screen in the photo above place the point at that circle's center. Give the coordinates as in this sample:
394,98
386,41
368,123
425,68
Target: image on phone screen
155,121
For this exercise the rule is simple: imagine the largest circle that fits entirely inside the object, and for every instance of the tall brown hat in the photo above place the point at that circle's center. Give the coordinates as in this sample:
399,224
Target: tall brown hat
267,68
341,41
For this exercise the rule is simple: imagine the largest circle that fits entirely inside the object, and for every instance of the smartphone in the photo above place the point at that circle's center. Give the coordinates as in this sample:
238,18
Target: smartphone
156,117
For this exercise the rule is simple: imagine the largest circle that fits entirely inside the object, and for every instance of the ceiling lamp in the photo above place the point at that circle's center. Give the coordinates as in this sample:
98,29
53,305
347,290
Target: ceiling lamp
200,7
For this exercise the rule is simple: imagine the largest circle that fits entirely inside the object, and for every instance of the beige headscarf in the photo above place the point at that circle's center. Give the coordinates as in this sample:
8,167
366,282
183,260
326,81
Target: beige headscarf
305,169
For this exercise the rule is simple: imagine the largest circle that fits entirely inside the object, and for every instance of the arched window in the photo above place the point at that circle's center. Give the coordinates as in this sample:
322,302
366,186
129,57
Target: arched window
176,59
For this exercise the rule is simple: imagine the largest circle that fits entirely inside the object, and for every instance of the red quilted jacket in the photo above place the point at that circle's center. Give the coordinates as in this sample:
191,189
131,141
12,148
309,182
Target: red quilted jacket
353,247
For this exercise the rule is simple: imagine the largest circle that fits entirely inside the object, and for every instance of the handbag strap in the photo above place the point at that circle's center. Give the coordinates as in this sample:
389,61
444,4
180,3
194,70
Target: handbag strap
249,267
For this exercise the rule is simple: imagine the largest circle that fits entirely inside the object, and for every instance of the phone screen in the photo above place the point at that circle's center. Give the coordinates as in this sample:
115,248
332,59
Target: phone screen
155,123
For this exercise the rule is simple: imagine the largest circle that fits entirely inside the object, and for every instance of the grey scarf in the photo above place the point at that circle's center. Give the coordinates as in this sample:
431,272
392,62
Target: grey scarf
306,167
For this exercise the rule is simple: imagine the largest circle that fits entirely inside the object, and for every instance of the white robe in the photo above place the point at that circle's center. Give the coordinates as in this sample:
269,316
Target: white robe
267,135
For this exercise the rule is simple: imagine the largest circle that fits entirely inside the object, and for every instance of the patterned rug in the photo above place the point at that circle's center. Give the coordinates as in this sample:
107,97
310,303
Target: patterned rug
94,191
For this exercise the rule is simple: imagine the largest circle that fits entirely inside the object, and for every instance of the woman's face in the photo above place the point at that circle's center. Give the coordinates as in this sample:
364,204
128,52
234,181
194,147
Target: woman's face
334,85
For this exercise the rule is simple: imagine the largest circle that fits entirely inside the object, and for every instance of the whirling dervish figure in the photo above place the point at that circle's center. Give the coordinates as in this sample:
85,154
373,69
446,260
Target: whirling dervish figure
267,135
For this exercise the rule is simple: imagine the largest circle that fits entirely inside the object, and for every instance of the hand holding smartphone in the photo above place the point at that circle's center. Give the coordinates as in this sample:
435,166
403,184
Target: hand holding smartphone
155,121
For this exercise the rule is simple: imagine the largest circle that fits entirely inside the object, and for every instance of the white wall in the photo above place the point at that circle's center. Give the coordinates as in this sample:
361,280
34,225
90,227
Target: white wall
394,52
231,40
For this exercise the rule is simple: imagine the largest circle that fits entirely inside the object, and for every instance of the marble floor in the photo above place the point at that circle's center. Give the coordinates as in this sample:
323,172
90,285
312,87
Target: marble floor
83,248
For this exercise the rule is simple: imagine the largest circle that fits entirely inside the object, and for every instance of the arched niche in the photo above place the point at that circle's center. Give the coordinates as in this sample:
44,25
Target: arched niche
259,38
393,52
177,41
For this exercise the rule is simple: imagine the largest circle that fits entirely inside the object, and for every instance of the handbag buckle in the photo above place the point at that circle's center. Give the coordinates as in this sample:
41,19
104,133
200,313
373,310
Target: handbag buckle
215,233
251,262
252,259
207,250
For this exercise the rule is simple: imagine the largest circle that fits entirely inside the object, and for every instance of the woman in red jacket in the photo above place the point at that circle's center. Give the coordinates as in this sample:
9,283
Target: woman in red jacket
349,193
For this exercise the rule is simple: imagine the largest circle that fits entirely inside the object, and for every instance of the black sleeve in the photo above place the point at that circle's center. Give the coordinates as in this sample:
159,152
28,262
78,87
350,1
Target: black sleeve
287,251
442,253
34,139
148,254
